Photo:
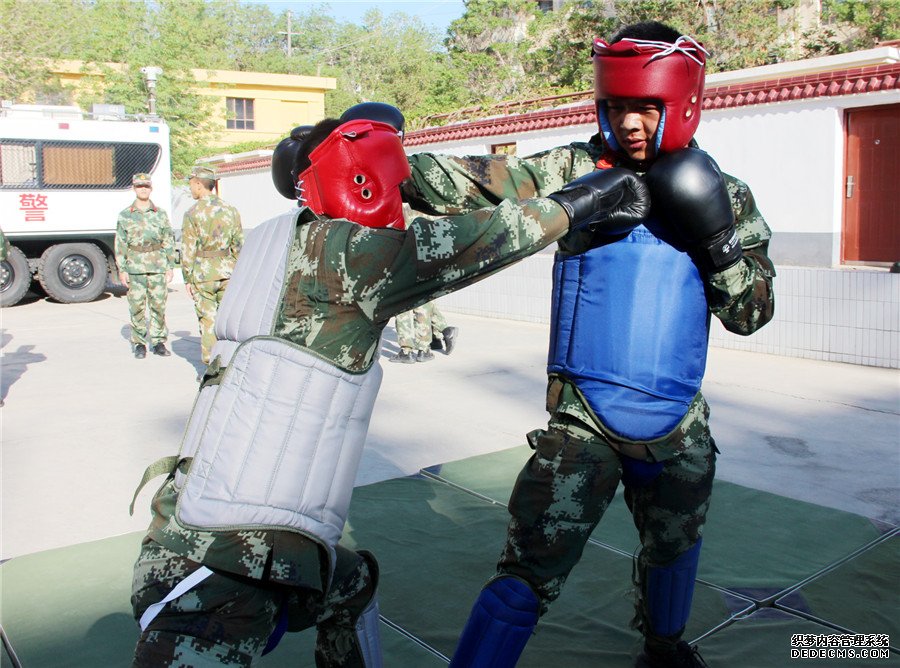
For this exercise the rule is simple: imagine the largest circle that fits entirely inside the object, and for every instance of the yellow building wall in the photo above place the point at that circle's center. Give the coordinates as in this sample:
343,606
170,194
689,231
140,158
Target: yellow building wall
280,101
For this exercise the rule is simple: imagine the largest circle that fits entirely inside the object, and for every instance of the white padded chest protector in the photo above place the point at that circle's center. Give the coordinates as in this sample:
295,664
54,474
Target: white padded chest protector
277,443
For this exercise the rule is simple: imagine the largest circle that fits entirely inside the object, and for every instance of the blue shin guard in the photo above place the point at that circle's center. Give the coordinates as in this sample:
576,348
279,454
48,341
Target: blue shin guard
668,593
499,626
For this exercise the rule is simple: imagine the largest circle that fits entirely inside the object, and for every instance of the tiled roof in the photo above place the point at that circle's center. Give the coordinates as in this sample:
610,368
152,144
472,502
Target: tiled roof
852,81
246,165
826,84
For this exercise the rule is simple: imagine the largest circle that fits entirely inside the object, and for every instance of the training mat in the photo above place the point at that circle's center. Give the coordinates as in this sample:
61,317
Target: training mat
764,640
861,595
755,543
437,546
69,607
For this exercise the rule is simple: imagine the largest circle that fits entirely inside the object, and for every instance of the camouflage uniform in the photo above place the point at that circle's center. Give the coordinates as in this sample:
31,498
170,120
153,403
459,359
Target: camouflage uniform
417,328
564,489
145,250
344,283
211,238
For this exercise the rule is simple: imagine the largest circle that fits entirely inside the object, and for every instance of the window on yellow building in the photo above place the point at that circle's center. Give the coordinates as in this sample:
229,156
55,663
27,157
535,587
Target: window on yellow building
239,113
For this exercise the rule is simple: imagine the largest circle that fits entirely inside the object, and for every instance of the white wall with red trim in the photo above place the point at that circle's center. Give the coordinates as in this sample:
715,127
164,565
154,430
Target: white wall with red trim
781,129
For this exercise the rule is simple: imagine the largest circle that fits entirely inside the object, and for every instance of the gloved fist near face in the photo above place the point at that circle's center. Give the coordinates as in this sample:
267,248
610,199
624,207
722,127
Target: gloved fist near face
689,193
610,201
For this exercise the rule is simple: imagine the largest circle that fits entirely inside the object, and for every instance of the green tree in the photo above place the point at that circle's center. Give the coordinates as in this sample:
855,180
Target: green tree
873,21
560,55
393,59
27,39
489,44
497,50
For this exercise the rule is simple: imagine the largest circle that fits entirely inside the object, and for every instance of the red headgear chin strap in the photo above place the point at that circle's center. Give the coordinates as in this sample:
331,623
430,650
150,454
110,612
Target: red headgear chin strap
356,173
672,73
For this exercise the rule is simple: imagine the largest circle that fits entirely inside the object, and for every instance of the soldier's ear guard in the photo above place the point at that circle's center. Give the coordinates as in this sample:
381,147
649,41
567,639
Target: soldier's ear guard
283,161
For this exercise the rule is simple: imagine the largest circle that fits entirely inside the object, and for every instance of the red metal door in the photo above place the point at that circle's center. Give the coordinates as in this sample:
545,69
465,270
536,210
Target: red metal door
871,218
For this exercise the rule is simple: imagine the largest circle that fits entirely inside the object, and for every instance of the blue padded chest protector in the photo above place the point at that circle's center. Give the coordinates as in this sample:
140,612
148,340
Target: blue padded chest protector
630,326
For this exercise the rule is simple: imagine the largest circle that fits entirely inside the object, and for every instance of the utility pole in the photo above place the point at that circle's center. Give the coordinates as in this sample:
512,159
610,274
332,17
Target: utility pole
151,74
289,34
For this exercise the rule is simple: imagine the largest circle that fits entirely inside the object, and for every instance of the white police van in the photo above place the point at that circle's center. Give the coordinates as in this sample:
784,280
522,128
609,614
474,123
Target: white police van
64,177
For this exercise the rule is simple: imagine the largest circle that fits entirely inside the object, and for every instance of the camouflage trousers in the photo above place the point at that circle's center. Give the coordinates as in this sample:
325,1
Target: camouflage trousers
417,327
148,292
226,620
568,483
207,297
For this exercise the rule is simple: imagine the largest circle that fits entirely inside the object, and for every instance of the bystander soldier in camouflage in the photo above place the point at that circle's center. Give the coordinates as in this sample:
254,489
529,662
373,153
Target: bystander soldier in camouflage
628,339
211,238
145,255
443,336
420,331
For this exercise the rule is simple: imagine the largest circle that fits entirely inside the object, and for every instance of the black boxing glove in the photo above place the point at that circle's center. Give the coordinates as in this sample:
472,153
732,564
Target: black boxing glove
610,201
376,111
689,193
283,158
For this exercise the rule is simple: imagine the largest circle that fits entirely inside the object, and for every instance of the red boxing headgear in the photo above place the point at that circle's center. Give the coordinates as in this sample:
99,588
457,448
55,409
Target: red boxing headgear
672,73
355,173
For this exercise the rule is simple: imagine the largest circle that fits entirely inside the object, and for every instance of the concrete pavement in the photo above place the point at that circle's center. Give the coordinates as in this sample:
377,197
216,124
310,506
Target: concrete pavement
83,418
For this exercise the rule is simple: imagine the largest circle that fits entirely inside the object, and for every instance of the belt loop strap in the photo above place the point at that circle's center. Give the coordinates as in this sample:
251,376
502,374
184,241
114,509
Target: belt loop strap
165,465
182,587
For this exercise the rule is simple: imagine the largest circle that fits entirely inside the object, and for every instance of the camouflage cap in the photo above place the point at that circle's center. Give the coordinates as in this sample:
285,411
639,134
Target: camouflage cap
203,173
141,179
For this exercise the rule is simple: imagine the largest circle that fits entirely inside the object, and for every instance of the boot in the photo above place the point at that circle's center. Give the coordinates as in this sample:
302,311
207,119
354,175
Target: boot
161,350
682,656
403,357
140,351
450,334
424,356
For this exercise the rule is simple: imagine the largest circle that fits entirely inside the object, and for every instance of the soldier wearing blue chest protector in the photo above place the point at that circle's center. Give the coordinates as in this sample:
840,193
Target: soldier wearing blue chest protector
629,325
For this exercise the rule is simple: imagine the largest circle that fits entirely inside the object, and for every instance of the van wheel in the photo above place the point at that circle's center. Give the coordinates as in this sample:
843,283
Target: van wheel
73,273
15,277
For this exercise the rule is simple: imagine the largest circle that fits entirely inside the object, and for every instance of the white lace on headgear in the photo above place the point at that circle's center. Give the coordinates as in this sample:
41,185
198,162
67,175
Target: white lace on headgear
299,190
668,48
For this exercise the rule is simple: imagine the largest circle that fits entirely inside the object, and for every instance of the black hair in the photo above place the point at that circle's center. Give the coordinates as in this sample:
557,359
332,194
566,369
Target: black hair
649,30
209,184
316,136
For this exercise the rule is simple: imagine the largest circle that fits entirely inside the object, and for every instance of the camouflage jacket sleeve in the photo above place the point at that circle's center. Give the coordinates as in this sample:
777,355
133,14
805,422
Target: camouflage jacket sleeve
451,185
742,296
189,238
435,257
168,241
4,247
121,244
236,236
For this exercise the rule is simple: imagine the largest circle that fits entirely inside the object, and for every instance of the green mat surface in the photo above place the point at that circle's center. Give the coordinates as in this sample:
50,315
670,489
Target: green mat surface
442,548
755,543
763,640
861,595
70,608
437,537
